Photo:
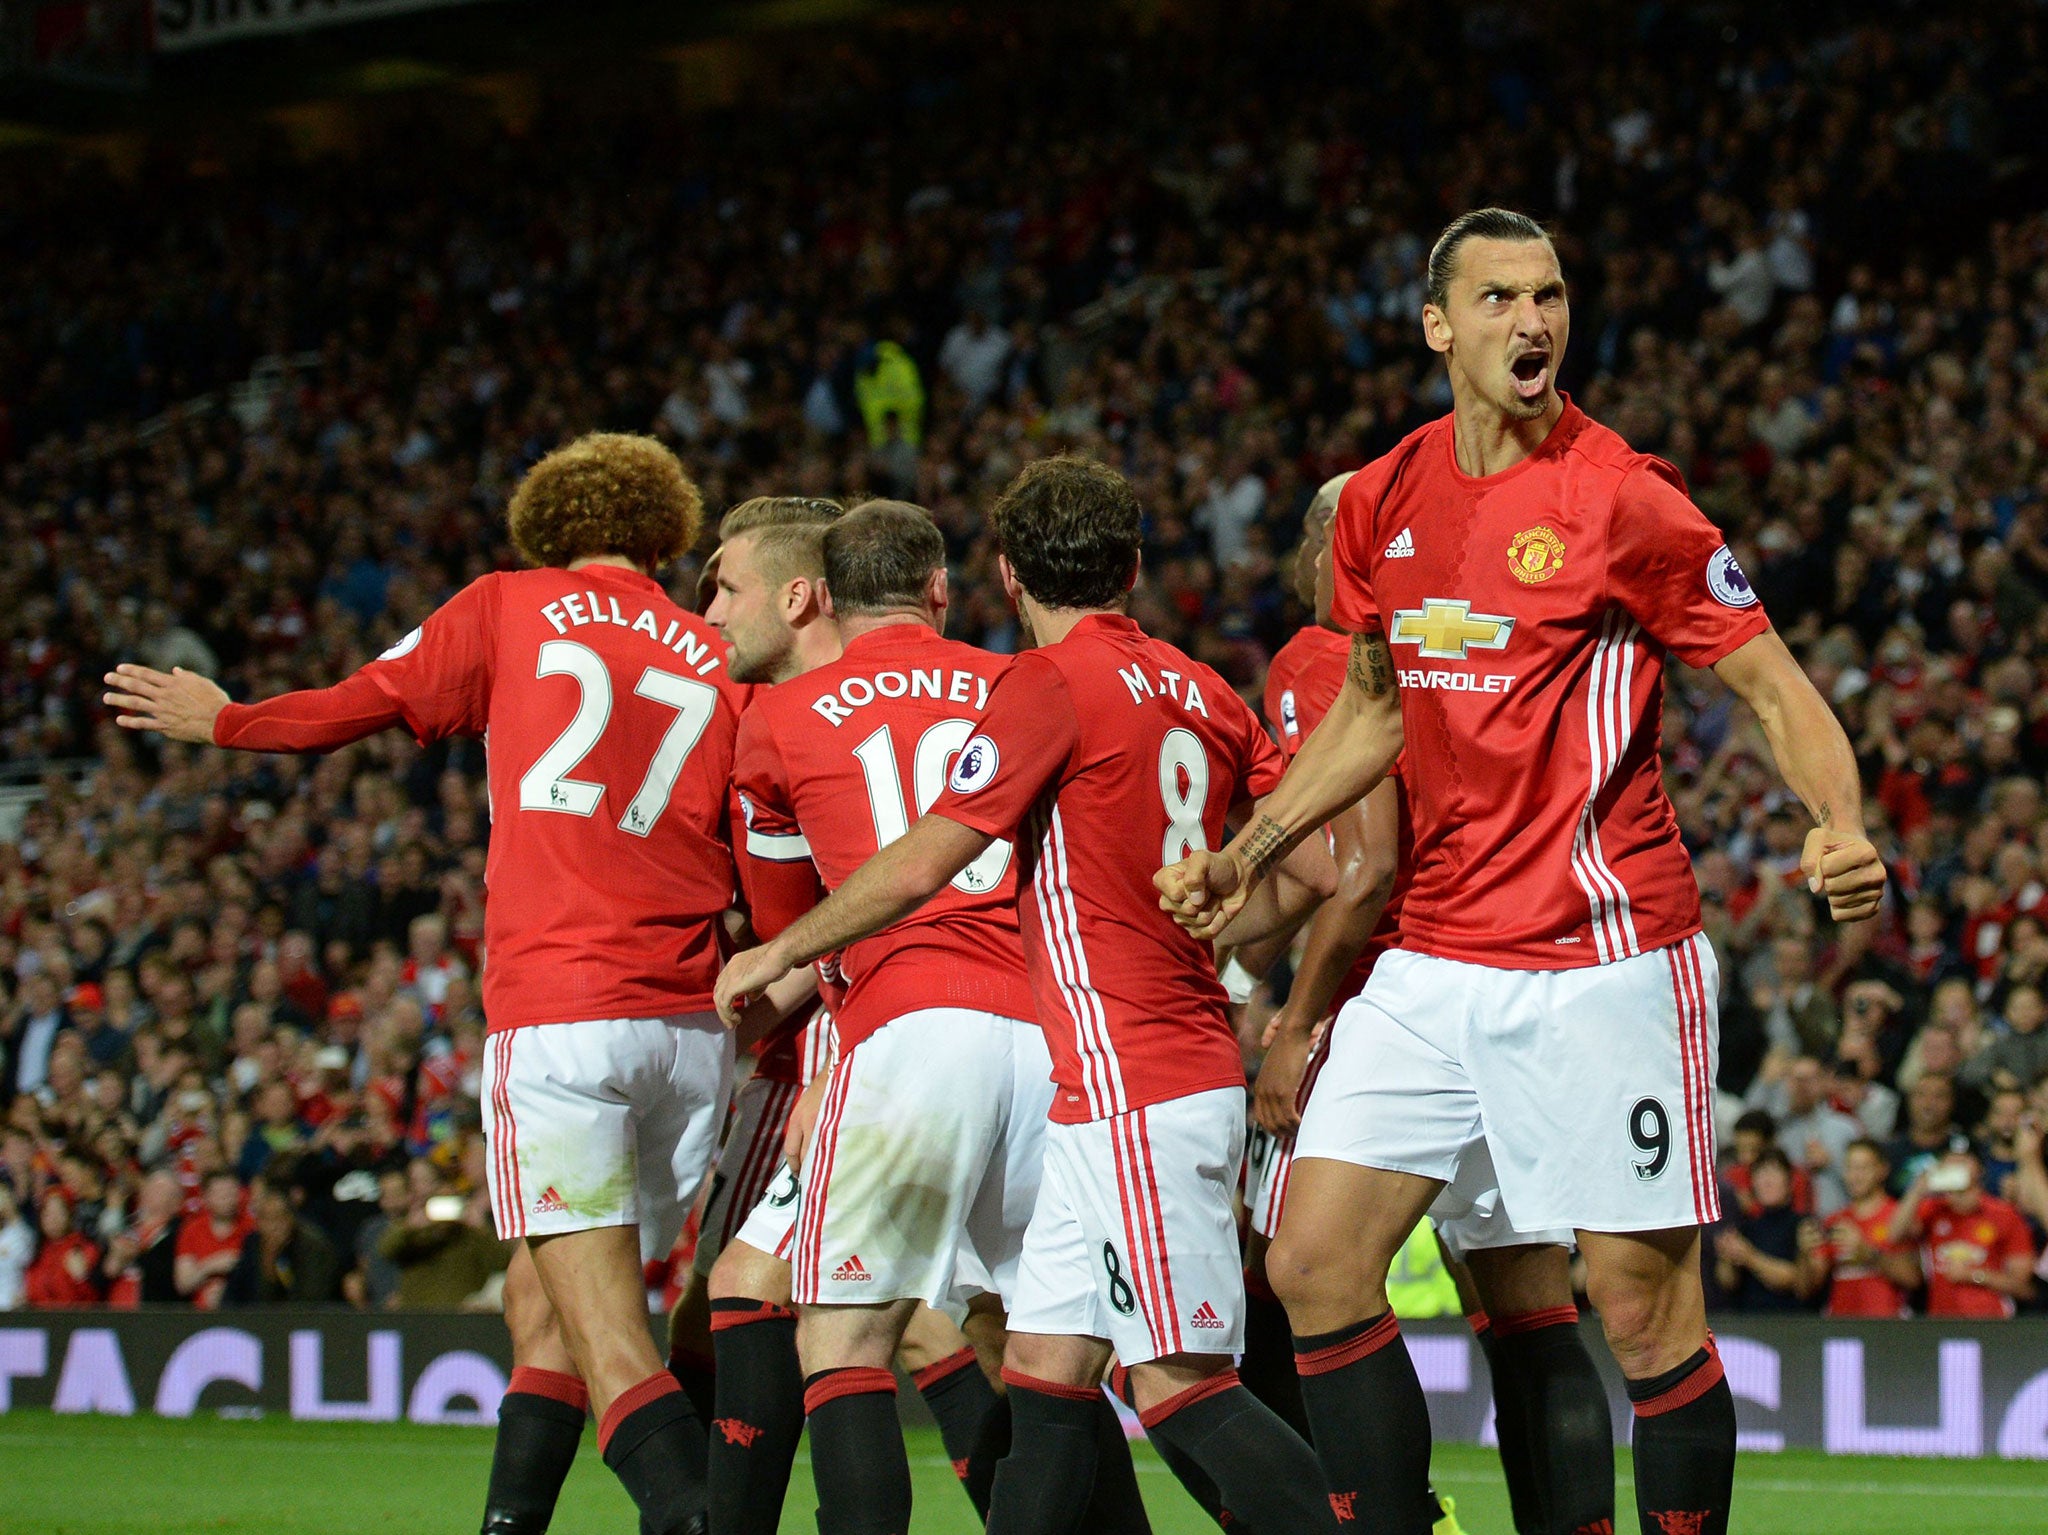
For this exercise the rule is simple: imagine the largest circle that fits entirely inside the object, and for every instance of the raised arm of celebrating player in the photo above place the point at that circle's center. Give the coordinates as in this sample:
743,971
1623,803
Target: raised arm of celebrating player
1814,756
1345,758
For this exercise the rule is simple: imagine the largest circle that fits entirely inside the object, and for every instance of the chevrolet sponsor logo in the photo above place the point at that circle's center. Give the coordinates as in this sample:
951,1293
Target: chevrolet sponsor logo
1445,628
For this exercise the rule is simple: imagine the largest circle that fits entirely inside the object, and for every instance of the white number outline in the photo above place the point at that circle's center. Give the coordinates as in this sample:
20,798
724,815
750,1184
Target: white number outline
929,763
547,784
1179,749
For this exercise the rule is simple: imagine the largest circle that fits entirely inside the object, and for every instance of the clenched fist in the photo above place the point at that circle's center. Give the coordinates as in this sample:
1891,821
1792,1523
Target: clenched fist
1845,869
1203,892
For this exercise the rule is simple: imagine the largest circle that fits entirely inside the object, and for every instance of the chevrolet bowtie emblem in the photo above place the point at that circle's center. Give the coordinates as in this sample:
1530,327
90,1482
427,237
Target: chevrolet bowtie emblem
1444,629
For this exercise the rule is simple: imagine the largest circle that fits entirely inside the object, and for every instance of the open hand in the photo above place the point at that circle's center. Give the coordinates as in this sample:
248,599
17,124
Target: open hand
1847,870
1276,1097
745,976
180,704
803,1119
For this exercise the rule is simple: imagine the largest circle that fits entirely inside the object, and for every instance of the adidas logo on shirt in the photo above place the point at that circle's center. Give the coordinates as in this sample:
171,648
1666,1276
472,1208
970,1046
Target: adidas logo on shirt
1205,1316
549,1203
851,1272
1402,548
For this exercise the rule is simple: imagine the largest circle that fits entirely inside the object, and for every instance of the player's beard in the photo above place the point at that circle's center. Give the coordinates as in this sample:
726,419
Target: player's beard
1027,637
751,662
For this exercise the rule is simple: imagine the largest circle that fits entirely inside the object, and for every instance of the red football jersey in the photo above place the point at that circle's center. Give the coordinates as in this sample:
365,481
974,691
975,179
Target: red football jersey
833,766
1529,613
197,1239
609,719
1982,1239
1108,756
1302,682
1859,1290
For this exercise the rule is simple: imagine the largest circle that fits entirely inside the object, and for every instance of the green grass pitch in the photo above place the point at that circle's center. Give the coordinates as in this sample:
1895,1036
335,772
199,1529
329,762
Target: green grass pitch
115,1476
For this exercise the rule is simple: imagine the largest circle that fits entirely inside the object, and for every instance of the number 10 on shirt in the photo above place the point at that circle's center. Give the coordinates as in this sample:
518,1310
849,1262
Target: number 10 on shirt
929,764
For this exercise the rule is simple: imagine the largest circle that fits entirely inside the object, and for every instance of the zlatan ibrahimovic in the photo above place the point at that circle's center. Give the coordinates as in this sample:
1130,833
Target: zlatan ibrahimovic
1513,577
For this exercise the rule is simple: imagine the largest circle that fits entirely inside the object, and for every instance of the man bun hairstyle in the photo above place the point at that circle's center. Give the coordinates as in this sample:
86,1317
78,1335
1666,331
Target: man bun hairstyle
605,493
1477,224
879,557
788,534
1070,528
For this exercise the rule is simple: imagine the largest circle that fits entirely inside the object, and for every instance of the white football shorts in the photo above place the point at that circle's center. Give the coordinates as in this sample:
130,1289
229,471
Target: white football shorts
607,1122
1589,1092
1135,1235
923,1170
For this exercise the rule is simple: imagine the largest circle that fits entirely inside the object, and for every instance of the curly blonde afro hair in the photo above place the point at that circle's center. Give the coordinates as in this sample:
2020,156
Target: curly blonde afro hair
606,493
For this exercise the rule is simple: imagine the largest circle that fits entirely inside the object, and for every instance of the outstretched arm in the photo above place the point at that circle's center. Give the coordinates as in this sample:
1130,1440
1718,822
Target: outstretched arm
188,707
1813,754
1342,761
884,890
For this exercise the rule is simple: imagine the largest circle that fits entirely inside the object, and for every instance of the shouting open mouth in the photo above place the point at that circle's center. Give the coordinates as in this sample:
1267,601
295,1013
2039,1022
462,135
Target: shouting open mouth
1531,373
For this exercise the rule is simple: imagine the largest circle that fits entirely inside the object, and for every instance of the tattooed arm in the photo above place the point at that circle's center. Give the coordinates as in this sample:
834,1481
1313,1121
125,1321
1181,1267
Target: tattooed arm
1339,764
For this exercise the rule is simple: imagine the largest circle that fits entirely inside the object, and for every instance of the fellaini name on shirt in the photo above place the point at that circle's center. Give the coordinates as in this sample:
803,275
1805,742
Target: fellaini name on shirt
856,693
1183,690
579,609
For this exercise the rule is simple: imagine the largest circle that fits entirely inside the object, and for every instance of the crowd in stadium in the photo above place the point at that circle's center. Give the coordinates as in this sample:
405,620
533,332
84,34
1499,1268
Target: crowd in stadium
239,1026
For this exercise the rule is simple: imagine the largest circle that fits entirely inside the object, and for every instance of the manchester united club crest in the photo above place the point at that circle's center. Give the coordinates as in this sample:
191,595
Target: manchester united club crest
1535,554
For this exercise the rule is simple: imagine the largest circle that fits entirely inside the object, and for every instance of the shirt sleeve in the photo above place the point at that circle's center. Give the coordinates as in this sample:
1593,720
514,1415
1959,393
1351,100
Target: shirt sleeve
439,676
1262,762
2014,1237
311,720
1673,572
776,870
1021,747
1354,608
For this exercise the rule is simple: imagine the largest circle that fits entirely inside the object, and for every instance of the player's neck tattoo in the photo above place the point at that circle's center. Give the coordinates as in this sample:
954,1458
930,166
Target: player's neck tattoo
1264,845
1371,666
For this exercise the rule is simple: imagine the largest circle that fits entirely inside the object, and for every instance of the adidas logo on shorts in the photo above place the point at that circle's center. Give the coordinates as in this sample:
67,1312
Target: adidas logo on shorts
1402,548
1205,1316
851,1272
549,1203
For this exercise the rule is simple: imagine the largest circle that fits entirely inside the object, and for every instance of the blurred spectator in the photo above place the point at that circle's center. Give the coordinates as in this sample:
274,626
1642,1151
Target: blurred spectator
17,1251
373,1284
444,1251
1853,1258
1874,1106
2018,1056
284,1260
210,1241
30,1034
1998,1141
1756,1135
1977,1252
141,1262
1815,1134
66,1269
1757,1256
1929,1133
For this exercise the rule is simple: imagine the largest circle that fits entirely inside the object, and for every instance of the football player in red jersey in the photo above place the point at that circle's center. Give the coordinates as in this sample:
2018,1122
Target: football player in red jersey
1556,1439
1105,754
923,1166
610,719
1514,576
772,608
